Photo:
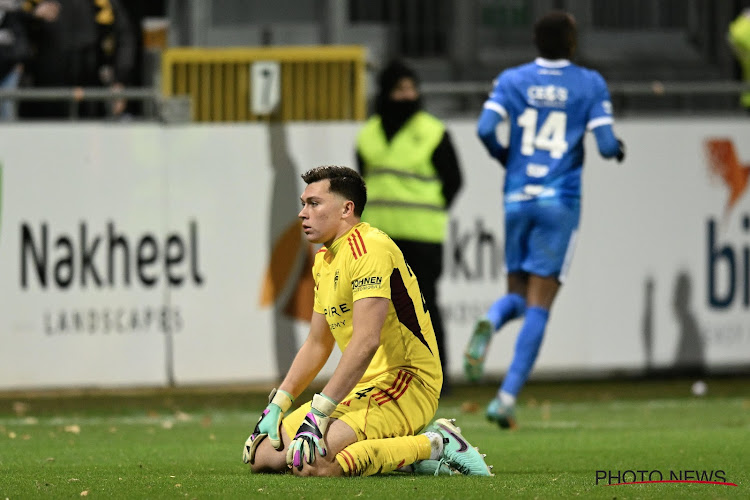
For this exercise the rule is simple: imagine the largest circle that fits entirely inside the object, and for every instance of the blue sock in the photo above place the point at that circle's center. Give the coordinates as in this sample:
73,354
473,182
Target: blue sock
506,308
527,348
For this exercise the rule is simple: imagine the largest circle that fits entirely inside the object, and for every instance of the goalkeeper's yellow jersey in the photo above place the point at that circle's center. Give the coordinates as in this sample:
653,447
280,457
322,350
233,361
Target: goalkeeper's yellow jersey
363,263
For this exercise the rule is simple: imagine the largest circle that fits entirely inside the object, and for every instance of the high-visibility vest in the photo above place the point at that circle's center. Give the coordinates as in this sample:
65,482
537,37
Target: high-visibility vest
404,192
739,36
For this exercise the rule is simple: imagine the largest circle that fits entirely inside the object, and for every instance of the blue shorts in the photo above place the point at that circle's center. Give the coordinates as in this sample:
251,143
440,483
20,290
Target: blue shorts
540,236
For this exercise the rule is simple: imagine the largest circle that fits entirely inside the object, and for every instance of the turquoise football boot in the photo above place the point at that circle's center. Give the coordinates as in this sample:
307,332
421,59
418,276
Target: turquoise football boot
458,454
477,350
502,415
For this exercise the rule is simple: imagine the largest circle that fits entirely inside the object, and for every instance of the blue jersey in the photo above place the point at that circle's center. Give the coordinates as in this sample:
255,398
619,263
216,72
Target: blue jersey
549,105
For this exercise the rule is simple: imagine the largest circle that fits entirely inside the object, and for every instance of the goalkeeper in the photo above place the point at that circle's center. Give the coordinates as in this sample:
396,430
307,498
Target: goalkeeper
386,386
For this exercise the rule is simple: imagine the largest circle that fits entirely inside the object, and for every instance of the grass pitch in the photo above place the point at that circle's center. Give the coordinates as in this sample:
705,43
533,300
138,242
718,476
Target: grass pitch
574,439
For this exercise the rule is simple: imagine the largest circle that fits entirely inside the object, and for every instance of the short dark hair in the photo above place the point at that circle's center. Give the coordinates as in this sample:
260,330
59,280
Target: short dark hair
344,181
555,35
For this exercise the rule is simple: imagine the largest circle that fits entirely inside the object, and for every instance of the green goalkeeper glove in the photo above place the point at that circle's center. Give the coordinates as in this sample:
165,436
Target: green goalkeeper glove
269,424
311,433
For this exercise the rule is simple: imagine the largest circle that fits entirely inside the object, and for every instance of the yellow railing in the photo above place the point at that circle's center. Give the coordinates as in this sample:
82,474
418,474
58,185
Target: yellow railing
312,84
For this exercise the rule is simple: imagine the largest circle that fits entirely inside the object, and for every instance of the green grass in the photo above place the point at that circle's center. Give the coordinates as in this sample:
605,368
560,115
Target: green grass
187,444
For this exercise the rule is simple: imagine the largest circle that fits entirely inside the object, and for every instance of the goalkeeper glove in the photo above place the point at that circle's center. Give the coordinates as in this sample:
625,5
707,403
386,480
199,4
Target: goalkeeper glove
268,424
620,151
310,434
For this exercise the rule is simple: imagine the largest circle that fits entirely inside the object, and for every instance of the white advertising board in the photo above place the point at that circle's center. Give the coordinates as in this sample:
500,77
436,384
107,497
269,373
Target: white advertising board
652,284
147,255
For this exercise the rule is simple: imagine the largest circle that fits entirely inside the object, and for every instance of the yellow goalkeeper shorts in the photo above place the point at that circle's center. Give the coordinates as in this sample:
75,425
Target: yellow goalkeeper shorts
393,404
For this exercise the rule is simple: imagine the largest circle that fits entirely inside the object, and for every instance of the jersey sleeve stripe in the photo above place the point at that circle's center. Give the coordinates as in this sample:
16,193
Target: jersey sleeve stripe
598,122
351,245
362,241
497,108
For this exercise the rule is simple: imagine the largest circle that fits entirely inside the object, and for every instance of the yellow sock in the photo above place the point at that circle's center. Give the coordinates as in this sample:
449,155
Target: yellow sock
375,456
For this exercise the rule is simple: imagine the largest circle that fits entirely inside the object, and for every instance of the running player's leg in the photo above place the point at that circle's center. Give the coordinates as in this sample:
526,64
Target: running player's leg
512,304
541,293
551,244
509,306
518,226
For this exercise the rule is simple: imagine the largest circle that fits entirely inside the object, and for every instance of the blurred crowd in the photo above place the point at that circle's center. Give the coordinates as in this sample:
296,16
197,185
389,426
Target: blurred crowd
77,44
68,43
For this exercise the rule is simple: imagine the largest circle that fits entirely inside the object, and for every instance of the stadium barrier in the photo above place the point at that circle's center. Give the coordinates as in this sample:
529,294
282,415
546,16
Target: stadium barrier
330,101
268,83
141,254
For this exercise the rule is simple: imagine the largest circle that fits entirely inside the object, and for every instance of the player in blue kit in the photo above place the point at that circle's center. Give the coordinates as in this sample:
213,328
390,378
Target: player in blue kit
549,104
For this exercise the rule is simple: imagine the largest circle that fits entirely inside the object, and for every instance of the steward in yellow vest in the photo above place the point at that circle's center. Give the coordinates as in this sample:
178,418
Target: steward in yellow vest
404,190
739,38
412,174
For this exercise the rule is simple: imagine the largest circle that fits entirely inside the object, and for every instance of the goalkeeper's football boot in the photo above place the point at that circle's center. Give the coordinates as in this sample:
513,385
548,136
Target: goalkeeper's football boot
457,453
433,468
477,350
502,415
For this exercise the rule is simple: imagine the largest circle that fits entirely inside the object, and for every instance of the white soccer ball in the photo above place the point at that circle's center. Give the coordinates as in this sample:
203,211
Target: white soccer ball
699,388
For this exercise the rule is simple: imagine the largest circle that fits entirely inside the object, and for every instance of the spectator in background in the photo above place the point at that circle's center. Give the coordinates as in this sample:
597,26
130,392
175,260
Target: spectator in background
739,39
15,49
407,159
549,104
90,44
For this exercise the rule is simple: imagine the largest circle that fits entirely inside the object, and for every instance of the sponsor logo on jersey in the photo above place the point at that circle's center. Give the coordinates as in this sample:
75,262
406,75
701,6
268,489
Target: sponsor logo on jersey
547,95
535,170
367,283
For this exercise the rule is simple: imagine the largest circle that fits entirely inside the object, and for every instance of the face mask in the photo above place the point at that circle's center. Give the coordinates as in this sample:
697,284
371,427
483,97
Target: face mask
400,110
395,113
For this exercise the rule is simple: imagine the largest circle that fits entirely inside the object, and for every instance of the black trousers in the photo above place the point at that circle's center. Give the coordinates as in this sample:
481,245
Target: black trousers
426,260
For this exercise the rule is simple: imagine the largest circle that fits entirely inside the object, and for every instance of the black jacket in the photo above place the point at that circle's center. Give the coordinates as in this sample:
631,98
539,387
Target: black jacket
14,43
86,36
